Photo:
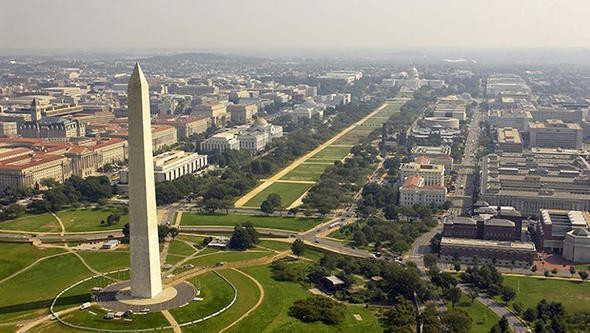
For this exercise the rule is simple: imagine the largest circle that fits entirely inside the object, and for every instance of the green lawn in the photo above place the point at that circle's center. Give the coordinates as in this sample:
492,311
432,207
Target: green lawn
30,293
289,192
272,222
354,136
306,171
78,220
272,315
313,254
15,257
483,318
173,259
180,248
573,295
278,246
106,261
227,256
33,222
216,294
138,321
248,295
191,238
80,293
330,153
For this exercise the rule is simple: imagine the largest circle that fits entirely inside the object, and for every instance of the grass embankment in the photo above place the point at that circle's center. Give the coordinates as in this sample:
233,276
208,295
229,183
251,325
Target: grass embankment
30,293
248,295
32,223
74,220
18,256
272,315
271,222
80,220
573,295
483,318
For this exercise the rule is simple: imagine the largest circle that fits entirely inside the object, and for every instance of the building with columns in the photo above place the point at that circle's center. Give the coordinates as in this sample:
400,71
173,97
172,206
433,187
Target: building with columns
171,165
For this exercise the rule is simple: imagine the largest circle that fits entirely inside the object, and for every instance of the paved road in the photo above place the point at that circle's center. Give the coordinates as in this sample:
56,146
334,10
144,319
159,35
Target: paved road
464,185
516,326
420,247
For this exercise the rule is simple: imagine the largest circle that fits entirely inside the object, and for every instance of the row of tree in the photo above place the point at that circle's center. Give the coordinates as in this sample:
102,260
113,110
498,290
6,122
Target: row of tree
339,182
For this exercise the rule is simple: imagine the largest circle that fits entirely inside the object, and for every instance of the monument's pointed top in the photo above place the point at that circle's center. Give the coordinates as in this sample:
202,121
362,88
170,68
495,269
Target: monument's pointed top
137,75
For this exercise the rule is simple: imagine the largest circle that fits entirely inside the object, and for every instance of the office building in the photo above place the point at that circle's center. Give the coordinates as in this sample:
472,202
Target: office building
414,191
171,165
535,180
433,174
501,253
220,142
555,133
242,113
450,107
509,140
216,112
554,225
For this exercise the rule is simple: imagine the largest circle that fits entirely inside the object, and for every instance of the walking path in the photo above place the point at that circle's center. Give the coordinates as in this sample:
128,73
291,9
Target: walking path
260,298
166,246
30,266
243,200
63,228
26,327
172,321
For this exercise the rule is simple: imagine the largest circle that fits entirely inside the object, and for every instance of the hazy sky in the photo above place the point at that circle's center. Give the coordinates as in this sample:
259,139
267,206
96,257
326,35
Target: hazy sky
291,25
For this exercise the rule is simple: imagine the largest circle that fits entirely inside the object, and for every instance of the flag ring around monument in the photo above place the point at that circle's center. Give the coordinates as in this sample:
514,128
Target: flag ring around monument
184,293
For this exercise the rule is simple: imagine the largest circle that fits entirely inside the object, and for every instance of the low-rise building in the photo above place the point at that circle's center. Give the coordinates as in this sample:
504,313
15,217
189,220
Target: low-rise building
186,125
502,253
576,246
433,174
221,142
162,136
253,138
535,180
450,107
216,112
460,227
414,191
555,133
509,140
171,165
24,171
555,224
8,129
60,129
242,113
441,122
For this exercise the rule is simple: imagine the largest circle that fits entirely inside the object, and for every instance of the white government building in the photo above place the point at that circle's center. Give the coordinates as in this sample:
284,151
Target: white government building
253,138
171,165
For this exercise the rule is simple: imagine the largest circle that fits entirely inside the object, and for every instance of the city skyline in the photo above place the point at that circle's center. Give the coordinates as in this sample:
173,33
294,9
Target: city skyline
304,26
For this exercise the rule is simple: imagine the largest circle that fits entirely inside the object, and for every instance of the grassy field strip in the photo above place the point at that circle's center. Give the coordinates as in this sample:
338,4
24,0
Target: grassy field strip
315,166
270,222
246,198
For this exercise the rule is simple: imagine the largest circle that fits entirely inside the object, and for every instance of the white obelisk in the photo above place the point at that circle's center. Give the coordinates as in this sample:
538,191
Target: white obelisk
146,280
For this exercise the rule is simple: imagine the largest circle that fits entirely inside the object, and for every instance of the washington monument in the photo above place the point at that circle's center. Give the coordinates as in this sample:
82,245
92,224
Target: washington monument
146,280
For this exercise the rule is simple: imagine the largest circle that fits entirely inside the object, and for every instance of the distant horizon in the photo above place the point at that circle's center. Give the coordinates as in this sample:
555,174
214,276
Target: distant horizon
283,52
265,25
